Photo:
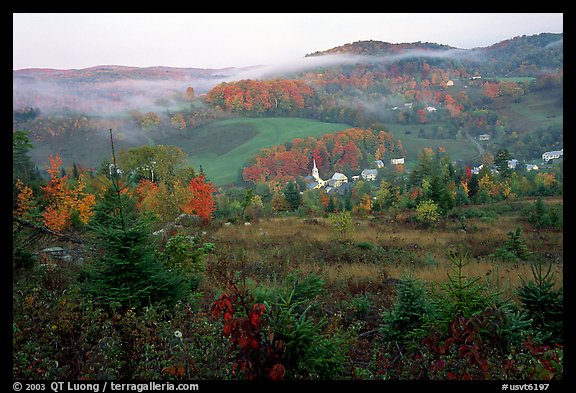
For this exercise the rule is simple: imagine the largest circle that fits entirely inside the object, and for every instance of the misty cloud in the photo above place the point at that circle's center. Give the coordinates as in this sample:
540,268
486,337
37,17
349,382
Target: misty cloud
329,60
555,44
92,96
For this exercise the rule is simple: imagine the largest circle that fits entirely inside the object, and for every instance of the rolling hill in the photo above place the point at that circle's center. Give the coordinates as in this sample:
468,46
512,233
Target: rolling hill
69,111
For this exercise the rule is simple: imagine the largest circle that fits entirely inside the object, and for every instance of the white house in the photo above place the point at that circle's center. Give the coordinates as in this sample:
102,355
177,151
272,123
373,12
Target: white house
430,109
550,155
483,137
512,163
396,161
369,174
379,164
531,167
450,83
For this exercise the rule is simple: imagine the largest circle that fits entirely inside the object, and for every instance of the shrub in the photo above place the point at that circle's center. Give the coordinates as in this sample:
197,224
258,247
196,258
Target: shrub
542,216
360,305
305,288
342,226
185,254
307,353
427,212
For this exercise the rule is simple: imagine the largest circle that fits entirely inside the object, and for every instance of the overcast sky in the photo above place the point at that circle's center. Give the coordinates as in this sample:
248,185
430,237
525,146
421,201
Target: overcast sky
212,40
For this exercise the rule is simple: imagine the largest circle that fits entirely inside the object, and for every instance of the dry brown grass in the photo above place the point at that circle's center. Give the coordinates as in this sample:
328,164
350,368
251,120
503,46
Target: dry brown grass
282,244
504,278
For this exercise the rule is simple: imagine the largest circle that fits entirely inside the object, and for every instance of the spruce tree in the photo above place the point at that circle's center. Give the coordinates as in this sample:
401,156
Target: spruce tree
543,304
292,195
409,313
127,273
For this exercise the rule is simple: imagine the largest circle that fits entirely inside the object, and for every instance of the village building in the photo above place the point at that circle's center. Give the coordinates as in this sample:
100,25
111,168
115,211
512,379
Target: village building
314,181
311,183
512,163
484,137
531,167
316,175
342,190
450,83
338,183
550,155
337,179
369,174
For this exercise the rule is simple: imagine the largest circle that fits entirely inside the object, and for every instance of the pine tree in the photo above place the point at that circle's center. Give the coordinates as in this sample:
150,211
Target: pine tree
128,273
408,314
331,206
292,195
543,304
22,166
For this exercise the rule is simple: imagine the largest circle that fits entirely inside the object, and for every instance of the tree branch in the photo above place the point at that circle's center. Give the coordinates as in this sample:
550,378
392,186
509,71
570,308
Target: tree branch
43,229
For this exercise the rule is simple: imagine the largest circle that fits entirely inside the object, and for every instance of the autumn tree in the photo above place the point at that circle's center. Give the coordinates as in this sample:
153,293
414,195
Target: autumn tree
177,121
25,202
201,202
66,202
156,163
279,202
491,90
150,121
342,225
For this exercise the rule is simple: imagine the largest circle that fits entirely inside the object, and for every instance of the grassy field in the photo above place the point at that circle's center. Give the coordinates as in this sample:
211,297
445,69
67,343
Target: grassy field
222,148
456,149
537,110
390,247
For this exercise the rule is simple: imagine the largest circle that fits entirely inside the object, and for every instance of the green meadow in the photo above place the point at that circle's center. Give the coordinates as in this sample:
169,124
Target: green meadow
223,147
413,144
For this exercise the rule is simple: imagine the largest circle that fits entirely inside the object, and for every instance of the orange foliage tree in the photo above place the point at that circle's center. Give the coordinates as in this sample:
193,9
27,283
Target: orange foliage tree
64,199
201,202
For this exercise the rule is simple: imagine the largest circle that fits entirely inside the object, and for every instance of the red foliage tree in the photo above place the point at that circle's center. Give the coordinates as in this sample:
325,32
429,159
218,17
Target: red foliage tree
422,116
491,90
201,201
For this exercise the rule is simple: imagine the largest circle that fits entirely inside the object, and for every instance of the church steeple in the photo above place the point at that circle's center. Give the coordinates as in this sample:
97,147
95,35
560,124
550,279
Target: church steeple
316,175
